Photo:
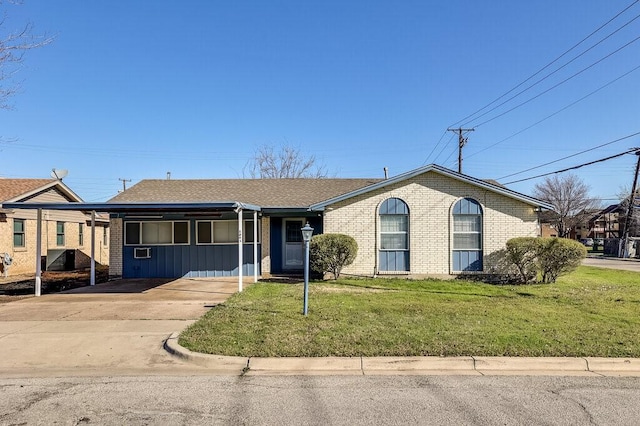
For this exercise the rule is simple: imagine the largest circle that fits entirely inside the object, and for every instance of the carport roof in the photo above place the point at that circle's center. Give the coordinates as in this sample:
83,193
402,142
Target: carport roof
136,207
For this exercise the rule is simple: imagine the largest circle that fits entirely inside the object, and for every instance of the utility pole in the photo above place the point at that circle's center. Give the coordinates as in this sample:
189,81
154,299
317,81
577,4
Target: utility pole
124,183
624,251
462,141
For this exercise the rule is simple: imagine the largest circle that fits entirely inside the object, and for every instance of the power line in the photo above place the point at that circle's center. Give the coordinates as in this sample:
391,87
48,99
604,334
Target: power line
438,143
557,112
632,150
559,84
572,155
558,69
548,65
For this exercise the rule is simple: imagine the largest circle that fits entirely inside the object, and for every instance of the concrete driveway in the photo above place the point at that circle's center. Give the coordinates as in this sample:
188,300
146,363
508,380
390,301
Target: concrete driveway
613,263
112,328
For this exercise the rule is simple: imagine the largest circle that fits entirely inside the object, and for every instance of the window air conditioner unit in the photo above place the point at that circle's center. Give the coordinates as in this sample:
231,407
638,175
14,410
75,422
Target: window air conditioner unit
142,253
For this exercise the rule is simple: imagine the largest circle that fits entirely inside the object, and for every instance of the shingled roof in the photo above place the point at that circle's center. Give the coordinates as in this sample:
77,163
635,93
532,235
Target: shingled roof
275,193
12,188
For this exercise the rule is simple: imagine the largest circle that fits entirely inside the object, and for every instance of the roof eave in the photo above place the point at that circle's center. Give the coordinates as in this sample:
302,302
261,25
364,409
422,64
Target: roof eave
134,207
438,169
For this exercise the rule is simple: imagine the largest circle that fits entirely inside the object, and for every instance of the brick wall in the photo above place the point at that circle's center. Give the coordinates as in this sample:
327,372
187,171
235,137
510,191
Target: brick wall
24,258
115,248
265,244
430,198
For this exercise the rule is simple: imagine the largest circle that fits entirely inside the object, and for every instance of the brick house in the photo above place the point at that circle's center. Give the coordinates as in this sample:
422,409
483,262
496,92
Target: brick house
429,221
66,235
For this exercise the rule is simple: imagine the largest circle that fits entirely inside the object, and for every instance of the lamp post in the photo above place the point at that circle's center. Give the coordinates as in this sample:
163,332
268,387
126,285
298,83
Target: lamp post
307,231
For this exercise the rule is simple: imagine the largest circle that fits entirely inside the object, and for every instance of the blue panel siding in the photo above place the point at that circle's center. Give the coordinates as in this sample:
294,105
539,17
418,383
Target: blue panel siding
391,260
276,246
189,261
467,260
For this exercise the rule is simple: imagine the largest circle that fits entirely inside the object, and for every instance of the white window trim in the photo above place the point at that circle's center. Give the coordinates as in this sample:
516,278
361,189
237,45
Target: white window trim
24,234
244,234
481,233
173,233
407,232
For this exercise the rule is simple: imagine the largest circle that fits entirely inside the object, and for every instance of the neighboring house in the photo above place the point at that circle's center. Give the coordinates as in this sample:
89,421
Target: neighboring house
66,235
607,223
429,221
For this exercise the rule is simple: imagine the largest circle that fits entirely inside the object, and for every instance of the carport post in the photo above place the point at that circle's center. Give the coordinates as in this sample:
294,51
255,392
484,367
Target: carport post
255,246
240,249
38,284
93,248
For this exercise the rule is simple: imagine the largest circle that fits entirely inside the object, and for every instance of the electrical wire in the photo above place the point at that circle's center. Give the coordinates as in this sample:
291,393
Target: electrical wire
436,145
546,66
553,72
555,113
632,150
572,155
559,84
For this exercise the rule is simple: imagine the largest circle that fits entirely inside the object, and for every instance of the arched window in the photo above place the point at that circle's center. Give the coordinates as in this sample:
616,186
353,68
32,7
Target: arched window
467,235
394,235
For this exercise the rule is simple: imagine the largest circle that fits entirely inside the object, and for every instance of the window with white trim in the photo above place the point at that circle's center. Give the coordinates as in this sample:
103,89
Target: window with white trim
467,235
224,231
19,239
157,233
60,233
394,235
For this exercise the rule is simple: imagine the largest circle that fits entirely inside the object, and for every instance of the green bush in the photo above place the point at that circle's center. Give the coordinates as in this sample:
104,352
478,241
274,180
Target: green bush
559,256
523,253
332,252
545,257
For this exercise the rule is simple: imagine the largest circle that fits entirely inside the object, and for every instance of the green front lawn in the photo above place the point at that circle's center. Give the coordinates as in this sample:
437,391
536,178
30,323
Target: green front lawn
591,312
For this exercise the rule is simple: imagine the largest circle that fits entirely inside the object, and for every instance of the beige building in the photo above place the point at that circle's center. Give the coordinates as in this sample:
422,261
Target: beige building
66,235
429,221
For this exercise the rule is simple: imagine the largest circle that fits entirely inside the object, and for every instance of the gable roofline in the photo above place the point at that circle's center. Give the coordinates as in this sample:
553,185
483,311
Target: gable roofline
74,198
440,170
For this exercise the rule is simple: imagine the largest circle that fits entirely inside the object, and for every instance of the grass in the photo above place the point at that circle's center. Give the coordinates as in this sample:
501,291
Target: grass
591,312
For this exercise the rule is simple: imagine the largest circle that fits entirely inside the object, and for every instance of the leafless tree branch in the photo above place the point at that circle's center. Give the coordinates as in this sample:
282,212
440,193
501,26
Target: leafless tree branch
571,200
13,46
287,162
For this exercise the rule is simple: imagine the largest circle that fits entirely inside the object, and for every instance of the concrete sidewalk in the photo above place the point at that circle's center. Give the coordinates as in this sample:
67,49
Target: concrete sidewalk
131,327
472,365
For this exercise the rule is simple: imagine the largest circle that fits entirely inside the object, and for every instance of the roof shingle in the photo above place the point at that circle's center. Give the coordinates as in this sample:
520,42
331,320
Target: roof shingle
11,188
280,193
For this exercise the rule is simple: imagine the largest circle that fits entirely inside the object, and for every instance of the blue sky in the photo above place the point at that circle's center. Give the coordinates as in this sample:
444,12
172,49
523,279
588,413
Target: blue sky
135,89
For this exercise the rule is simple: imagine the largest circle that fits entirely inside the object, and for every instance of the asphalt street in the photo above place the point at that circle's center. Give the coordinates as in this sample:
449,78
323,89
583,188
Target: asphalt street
321,400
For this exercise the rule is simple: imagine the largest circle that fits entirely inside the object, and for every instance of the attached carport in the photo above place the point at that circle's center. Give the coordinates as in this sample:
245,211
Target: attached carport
142,208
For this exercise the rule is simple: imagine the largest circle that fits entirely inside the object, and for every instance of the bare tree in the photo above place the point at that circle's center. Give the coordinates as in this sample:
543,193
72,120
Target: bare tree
570,198
13,45
288,162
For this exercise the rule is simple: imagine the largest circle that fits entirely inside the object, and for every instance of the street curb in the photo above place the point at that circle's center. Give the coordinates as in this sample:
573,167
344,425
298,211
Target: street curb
217,362
426,365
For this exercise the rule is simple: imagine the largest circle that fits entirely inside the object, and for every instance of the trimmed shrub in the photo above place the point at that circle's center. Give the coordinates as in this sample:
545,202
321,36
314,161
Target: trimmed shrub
523,253
545,257
331,253
559,256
